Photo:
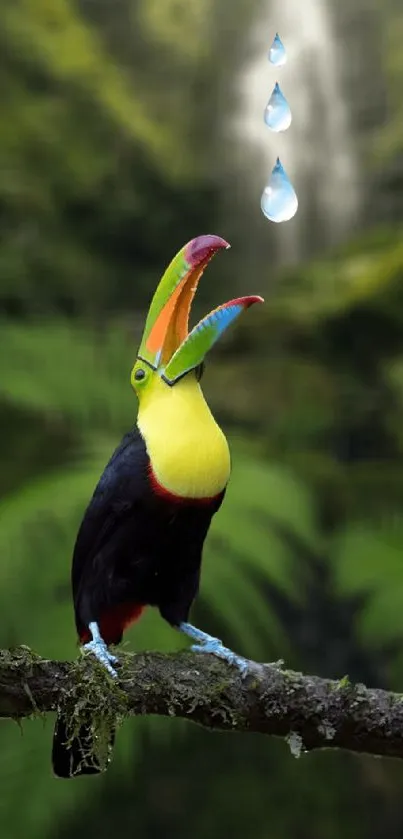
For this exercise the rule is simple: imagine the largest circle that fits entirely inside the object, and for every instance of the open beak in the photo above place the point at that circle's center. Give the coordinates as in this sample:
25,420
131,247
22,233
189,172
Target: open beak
167,345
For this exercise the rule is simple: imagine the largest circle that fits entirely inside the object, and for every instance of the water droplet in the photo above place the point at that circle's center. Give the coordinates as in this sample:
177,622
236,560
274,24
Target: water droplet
277,53
278,113
279,201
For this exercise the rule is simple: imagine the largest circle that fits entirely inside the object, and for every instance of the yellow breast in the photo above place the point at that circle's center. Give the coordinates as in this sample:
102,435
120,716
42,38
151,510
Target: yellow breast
188,451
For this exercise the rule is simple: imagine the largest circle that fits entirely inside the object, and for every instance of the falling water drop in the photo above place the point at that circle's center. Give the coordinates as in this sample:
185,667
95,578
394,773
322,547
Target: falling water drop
277,114
279,201
277,53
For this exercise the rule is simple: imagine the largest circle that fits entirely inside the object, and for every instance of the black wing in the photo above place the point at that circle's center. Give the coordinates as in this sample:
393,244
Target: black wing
118,493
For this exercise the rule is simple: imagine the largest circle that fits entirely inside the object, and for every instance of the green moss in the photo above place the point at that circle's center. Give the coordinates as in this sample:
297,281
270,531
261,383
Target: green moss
217,688
20,660
94,699
16,657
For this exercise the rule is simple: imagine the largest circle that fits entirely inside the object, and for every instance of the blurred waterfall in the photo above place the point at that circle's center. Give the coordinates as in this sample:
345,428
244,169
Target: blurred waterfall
317,150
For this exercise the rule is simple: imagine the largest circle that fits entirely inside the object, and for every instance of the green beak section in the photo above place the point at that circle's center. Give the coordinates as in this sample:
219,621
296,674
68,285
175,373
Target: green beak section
200,340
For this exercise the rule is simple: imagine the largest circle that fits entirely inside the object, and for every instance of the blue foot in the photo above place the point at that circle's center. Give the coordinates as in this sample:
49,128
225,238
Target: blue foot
100,650
208,644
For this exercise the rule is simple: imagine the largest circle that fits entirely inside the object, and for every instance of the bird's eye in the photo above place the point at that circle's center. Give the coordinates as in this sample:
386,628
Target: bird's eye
139,374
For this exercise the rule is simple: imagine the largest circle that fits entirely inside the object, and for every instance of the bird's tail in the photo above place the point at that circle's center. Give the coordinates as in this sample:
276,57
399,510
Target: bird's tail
75,756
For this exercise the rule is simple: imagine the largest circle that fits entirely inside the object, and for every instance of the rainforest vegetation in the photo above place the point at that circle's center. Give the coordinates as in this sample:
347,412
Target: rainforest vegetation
110,160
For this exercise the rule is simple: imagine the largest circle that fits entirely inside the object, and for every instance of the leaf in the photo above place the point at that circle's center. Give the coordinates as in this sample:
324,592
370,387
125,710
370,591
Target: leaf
367,558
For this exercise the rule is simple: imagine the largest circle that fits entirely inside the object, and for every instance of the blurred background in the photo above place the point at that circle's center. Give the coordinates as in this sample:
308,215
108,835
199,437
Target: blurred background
128,127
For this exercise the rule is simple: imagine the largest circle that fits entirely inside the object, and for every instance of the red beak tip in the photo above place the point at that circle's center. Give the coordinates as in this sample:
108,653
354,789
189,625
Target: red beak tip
245,302
253,298
204,247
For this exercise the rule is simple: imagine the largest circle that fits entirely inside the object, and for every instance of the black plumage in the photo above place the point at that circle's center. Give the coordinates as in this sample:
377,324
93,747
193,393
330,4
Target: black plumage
137,546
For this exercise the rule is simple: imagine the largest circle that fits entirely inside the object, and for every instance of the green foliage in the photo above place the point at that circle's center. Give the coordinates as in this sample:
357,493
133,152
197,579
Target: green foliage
62,370
389,143
367,272
98,165
110,113
367,559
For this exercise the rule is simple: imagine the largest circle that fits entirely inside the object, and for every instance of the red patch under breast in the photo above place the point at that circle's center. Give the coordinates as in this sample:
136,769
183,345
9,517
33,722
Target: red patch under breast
114,622
178,499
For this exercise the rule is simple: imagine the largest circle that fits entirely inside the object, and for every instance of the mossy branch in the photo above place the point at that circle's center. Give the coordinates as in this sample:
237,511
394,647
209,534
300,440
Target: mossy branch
310,712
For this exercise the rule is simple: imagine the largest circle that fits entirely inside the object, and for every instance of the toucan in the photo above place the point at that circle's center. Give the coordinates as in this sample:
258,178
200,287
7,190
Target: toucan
141,539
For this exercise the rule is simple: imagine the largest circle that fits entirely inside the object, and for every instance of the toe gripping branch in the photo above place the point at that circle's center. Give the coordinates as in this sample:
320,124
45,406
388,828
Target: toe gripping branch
204,644
207,644
99,649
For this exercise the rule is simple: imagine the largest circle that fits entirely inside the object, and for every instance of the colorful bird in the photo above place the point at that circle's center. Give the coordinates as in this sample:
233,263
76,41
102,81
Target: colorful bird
141,539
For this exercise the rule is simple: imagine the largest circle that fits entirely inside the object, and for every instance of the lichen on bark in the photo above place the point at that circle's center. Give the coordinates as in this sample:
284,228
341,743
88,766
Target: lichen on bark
318,713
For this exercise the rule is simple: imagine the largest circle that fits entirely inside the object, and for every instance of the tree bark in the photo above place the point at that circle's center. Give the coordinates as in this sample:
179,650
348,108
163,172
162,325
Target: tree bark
308,711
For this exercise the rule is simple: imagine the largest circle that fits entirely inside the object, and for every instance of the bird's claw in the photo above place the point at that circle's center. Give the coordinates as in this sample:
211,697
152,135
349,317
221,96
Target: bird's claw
216,647
101,652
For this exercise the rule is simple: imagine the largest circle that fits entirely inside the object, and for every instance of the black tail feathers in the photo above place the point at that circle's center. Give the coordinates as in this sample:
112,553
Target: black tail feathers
74,757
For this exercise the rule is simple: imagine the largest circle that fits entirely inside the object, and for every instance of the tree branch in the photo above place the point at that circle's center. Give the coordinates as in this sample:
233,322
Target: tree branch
311,712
